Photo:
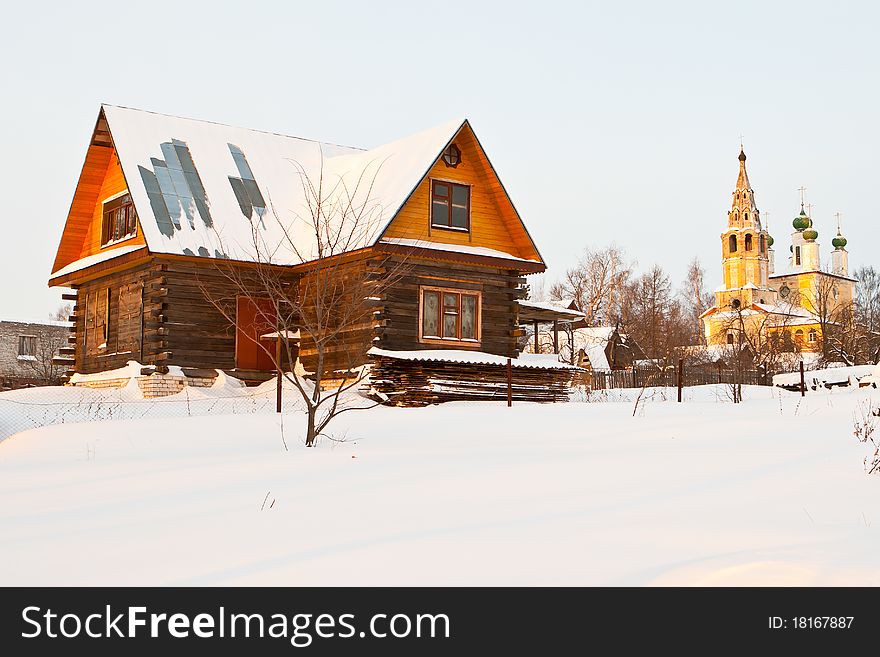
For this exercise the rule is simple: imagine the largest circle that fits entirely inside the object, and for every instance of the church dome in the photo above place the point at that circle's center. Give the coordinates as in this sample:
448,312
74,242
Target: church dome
839,242
769,240
810,234
801,221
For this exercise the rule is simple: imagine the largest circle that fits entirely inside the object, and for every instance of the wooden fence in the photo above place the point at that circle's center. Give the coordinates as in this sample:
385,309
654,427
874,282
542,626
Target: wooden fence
637,377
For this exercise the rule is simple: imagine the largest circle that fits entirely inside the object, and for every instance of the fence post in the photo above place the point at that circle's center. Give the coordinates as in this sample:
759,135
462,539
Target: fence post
803,387
509,383
680,377
278,381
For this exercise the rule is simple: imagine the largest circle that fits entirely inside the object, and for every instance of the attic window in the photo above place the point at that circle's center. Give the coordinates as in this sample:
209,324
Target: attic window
450,205
452,156
119,220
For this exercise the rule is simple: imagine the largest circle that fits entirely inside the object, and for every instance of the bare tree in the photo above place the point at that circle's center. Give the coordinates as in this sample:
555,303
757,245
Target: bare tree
41,365
596,284
695,299
62,313
321,311
867,310
650,314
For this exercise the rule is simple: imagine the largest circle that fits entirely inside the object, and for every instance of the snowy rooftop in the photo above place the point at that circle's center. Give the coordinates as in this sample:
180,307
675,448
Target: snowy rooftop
544,309
208,189
535,361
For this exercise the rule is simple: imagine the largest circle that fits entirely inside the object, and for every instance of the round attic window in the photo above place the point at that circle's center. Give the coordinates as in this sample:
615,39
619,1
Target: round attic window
452,156
735,304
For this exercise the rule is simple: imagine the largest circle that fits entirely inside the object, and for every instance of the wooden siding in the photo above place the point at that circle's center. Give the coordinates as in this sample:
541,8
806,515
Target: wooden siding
187,312
494,221
100,179
120,301
399,305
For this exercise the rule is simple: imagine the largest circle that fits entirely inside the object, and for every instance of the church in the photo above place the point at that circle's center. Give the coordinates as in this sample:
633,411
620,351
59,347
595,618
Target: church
789,308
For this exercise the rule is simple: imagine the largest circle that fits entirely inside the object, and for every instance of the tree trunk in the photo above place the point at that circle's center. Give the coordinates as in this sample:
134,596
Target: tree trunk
310,427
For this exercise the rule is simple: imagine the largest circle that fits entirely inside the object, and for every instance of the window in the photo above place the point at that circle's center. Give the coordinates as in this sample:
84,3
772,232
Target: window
799,336
748,242
746,216
762,244
735,304
120,220
732,243
730,338
450,205
452,156
449,315
812,335
27,345
797,255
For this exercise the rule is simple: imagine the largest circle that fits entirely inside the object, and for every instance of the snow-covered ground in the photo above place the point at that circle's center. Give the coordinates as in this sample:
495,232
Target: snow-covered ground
771,492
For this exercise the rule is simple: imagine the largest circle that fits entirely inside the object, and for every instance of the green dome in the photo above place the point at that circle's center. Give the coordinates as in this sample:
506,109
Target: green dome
839,242
810,234
769,240
801,221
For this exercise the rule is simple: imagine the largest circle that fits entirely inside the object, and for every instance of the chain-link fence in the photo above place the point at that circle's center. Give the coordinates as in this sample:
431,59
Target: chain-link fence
29,408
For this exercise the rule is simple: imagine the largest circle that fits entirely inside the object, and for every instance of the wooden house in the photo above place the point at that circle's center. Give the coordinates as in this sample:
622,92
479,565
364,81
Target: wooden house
164,204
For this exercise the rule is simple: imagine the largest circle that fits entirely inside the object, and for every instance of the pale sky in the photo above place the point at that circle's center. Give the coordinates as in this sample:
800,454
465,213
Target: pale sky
607,121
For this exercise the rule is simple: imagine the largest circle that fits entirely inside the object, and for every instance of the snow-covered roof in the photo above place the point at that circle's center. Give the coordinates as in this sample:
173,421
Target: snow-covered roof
37,322
203,188
797,272
452,248
96,258
534,361
564,313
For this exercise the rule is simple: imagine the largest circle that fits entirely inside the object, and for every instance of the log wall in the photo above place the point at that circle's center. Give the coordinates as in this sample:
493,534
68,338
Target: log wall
403,382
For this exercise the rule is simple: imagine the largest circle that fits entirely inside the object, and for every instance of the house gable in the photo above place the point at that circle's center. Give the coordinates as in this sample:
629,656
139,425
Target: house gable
495,223
101,178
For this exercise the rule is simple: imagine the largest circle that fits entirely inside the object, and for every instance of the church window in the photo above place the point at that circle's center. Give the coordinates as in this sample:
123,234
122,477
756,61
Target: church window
797,255
748,241
746,216
730,338
762,244
732,243
812,335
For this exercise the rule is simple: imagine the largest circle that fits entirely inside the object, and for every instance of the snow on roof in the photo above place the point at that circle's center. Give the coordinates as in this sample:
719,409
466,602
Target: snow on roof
784,308
553,307
102,256
535,361
209,189
37,322
452,248
593,340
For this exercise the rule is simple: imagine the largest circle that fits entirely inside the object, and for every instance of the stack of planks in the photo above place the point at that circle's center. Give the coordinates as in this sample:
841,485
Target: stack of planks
406,382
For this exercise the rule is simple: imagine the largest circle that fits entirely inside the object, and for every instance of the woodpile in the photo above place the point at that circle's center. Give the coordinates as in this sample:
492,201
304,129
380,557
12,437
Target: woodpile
405,382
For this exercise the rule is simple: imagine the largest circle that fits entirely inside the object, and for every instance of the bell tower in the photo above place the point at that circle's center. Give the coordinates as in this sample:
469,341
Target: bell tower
745,247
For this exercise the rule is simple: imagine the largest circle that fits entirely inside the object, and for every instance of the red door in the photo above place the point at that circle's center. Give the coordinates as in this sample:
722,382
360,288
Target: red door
254,317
